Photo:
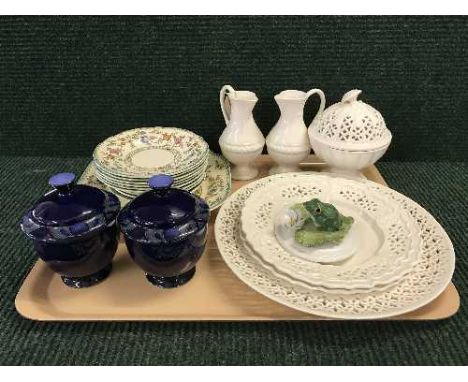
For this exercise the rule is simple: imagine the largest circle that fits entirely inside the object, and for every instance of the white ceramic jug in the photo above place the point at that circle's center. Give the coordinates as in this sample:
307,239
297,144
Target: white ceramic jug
241,141
288,143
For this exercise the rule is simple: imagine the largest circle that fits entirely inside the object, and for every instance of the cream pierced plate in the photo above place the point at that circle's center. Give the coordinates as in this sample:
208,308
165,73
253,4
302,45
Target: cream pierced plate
215,188
301,284
384,238
142,152
427,279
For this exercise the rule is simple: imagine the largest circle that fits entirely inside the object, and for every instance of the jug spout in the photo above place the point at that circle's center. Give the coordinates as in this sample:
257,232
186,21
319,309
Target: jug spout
242,103
291,104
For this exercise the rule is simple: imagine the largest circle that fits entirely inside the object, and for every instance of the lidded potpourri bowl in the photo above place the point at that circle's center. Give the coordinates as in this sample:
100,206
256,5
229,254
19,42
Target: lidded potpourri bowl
349,135
73,230
165,232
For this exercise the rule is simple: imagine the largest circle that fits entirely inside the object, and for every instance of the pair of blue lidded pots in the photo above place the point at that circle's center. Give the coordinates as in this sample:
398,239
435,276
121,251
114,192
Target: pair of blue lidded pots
74,230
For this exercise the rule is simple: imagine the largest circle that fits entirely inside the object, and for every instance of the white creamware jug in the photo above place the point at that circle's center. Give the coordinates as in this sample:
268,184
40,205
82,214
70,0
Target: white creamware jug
241,141
288,143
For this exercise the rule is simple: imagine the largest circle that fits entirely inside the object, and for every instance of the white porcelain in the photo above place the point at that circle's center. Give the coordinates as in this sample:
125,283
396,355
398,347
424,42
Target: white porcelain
383,240
349,135
288,143
291,280
425,281
241,141
347,163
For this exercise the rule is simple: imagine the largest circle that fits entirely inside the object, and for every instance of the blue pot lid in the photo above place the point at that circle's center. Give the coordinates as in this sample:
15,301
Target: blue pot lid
163,214
69,211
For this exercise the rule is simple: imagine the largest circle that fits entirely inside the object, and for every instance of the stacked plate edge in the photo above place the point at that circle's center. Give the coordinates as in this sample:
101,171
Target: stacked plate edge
126,161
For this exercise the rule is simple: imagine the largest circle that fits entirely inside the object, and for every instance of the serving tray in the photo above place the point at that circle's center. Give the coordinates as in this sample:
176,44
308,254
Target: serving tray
214,294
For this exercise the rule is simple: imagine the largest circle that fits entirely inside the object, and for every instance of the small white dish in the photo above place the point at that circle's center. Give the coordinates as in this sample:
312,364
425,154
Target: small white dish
325,254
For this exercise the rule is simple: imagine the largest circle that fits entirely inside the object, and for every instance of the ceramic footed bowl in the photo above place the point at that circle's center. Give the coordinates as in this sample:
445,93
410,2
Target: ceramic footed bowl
83,263
165,232
73,231
346,162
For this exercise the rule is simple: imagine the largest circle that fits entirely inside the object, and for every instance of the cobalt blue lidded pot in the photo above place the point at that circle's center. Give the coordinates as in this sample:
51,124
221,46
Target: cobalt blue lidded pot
73,229
165,232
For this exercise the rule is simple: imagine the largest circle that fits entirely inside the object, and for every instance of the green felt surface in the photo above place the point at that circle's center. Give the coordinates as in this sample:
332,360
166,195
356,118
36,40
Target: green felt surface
438,186
80,79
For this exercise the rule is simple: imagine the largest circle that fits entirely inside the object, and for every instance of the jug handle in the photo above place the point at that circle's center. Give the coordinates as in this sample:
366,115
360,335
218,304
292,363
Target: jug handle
322,101
225,105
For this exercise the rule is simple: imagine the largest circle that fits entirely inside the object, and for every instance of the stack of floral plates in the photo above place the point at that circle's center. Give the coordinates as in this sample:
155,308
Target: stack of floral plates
125,161
214,189
396,258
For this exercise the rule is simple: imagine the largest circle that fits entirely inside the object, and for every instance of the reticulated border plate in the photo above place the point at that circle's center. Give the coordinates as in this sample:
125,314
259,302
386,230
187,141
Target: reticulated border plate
117,153
428,279
395,251
302,284
215,188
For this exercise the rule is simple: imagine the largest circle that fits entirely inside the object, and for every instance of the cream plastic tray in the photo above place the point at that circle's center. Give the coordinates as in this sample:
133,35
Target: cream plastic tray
214,294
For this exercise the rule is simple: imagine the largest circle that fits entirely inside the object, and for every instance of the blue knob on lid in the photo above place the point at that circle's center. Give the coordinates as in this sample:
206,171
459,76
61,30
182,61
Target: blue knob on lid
160,182
63,181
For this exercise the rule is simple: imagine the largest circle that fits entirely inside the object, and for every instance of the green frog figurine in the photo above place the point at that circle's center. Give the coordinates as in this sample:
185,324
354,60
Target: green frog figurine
319,223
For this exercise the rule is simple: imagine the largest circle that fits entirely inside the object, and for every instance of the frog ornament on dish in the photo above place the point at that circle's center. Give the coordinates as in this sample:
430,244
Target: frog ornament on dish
316,231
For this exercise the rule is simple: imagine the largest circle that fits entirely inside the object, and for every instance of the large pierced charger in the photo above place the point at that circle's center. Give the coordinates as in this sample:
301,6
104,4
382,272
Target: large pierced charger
425,281
383,240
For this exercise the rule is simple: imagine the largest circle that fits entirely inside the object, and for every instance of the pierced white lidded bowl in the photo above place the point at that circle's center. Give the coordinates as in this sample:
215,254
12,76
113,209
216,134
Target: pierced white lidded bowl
349,135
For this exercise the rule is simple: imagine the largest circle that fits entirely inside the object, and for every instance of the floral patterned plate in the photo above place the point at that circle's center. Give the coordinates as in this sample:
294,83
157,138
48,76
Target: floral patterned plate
133,187
134,193
142,152
214,189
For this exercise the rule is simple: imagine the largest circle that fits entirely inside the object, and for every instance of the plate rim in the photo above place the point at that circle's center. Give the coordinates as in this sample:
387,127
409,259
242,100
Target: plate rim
200,138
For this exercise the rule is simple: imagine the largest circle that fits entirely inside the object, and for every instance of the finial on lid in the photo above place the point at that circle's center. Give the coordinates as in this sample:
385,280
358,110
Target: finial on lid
351,96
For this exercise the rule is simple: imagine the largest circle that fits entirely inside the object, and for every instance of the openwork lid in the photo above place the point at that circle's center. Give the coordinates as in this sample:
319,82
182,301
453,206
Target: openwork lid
69,211
351,125
163,214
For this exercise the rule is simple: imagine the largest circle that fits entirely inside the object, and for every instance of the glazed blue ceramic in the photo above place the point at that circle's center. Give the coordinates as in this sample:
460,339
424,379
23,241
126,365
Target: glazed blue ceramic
165,232
73,230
